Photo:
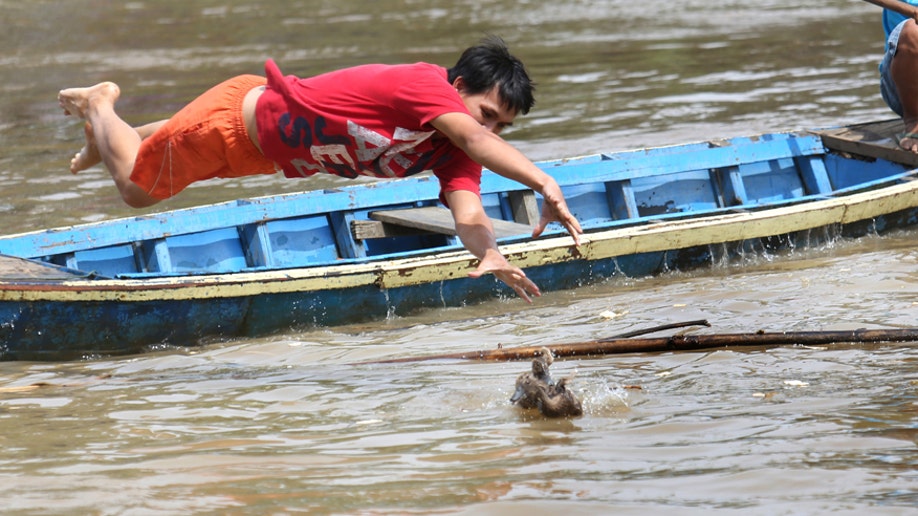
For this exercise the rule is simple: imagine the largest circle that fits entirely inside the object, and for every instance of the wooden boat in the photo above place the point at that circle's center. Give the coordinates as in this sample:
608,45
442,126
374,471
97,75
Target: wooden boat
256,266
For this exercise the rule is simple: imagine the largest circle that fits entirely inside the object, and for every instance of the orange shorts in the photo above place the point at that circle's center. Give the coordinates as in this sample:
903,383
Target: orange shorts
206,139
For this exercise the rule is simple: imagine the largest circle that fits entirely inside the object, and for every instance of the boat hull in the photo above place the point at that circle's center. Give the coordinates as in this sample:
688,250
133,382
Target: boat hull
53,307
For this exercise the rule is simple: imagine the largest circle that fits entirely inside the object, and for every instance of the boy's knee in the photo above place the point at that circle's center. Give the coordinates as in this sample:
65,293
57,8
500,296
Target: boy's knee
135,197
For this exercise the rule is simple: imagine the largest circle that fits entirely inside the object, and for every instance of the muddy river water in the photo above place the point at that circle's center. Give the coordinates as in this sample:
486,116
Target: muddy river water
293,424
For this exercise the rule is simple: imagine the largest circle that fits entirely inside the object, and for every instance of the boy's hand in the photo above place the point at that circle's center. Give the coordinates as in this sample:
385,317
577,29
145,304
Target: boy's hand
514,277
554,209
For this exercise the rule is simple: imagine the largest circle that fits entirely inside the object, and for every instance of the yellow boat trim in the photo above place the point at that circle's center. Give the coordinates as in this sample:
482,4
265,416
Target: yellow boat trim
406,272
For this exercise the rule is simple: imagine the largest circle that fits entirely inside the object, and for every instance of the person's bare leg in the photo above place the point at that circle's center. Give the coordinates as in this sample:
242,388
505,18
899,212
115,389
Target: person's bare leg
904,70
89,155
115,141
145,131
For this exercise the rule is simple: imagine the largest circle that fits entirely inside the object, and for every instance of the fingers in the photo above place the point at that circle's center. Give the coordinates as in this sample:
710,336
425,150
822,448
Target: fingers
554,210
540,227
567,219
523,288
523,294
573,227
513,277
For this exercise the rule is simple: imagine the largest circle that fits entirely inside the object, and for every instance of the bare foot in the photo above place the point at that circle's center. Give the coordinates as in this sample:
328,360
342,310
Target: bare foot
88,155
75,101
909,142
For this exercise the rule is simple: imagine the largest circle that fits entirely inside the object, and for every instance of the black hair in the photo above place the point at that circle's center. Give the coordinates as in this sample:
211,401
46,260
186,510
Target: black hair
490,64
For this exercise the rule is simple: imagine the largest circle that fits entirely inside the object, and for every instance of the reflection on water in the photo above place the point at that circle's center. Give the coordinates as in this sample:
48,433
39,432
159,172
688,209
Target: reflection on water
300,423
307,421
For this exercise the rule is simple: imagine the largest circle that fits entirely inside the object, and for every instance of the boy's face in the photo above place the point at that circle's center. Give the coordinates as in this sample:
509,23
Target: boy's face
486,108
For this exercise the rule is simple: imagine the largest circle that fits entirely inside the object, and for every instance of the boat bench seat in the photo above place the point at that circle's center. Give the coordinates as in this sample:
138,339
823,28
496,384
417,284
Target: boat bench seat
872,139
426,219
14,268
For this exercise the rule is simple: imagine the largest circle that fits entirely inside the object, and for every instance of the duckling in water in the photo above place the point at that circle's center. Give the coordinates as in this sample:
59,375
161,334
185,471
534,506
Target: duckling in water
536,389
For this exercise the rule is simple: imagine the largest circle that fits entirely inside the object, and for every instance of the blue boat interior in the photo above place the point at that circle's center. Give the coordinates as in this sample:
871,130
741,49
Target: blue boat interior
319,227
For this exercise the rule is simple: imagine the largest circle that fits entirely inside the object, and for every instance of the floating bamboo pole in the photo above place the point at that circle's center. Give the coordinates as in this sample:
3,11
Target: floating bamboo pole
676,343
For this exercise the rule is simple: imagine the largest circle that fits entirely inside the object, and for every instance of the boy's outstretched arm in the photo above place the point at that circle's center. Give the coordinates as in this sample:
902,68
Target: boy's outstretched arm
477,235
903,8
492,152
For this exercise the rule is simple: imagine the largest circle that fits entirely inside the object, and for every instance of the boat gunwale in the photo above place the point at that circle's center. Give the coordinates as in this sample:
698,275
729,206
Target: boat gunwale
444,266
424,188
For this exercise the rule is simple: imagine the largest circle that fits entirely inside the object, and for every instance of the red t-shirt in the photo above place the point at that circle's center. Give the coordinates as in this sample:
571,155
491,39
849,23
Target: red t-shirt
369,120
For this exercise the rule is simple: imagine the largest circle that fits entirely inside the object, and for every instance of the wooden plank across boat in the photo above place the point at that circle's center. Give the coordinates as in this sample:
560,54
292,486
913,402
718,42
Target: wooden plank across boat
257,266
875,139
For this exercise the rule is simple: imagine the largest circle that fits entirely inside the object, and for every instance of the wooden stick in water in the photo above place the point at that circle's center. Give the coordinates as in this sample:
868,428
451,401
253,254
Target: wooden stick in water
645,331
676,343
